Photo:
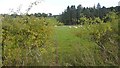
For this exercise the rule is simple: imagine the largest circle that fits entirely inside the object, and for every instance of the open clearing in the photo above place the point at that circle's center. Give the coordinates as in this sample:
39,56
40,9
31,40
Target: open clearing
69,45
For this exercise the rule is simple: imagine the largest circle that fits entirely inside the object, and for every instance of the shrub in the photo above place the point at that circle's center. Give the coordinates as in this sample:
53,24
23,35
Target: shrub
25,39
106,37
60,24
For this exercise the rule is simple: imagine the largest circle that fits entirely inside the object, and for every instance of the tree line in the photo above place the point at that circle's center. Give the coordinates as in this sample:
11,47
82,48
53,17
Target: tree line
72,15
77,15
32,14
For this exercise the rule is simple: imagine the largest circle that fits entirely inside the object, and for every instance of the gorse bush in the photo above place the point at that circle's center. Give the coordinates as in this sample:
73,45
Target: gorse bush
24,40
105,36
0,40
59,24
85,21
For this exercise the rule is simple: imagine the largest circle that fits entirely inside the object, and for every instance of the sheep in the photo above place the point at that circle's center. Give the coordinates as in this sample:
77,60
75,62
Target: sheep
75,26
70,27
55,26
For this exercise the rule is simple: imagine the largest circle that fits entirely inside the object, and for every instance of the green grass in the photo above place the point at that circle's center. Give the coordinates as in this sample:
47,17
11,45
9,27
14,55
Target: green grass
71,48
76,48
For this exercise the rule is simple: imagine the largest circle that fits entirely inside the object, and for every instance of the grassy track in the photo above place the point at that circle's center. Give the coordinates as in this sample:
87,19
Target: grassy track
71,48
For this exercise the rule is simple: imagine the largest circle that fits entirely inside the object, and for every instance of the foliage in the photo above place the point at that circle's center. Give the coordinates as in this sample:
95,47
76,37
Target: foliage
106,37
31,40
72,15
0,40
25,39
60,24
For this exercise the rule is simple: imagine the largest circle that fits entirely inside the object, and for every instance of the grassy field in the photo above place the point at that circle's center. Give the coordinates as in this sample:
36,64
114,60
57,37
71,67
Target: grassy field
74,50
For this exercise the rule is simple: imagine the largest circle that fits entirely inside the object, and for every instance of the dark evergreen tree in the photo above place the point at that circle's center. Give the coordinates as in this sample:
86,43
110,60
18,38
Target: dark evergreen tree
98,6
73,15
50,14
79,12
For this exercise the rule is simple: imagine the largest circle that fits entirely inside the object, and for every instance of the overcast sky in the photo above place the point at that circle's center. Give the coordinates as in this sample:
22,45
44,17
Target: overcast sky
51,6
